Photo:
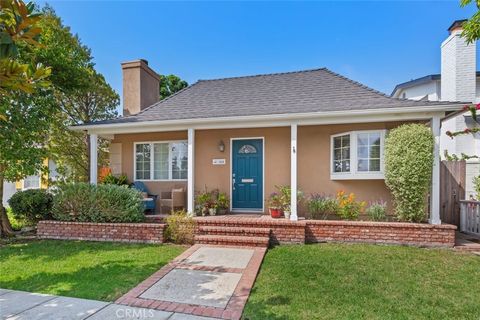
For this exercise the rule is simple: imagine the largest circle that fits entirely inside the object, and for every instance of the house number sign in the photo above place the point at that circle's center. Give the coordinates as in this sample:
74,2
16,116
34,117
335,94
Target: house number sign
218,162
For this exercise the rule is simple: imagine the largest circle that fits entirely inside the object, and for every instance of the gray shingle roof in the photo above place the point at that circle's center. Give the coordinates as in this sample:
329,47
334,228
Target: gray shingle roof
307,91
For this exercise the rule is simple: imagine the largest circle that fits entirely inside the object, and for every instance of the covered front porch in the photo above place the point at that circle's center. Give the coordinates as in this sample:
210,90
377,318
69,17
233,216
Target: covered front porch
247,158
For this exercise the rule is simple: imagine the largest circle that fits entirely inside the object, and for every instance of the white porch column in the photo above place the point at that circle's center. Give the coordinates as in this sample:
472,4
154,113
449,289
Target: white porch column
293,172
93,158
435,192
191,172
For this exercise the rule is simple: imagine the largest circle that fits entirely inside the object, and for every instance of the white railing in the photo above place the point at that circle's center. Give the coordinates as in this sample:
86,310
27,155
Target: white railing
470,217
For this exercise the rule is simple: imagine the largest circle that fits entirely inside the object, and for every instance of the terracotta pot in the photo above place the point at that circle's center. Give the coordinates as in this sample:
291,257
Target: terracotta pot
275,213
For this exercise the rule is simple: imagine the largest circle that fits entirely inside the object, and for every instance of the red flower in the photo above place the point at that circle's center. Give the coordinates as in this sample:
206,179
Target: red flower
467,130
466,107
478,106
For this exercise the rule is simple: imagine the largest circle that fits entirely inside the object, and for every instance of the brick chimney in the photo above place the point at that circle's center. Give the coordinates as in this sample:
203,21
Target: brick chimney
140,86
458,70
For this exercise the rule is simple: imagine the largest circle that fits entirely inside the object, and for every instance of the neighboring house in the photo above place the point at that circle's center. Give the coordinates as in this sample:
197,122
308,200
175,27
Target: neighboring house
314,130
458,81
30,182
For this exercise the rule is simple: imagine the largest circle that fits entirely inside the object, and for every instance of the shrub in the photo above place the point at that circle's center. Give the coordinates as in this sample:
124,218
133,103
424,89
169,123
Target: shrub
31,205
180,228
476,184
17,224
320,206
121,180
348,207
408,169
103,203
377,211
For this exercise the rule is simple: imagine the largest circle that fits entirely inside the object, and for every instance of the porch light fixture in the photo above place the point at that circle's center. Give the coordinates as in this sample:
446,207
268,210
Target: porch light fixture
221,146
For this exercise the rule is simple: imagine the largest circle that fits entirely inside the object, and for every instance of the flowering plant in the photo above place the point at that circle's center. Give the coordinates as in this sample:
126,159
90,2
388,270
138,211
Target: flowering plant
348,207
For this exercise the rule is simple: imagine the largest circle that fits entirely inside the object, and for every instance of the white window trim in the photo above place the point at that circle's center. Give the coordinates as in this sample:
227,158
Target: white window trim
39,184
152,160
354,174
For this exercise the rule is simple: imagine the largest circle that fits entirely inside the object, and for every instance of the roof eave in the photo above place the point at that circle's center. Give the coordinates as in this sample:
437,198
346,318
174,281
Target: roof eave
332,117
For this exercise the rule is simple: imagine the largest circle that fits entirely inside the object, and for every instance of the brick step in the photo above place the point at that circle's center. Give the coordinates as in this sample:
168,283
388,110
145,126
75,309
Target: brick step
234,231
232,240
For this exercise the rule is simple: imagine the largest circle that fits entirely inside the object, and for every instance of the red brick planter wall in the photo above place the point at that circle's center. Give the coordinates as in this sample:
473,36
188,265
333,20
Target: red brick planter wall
121,232
417,234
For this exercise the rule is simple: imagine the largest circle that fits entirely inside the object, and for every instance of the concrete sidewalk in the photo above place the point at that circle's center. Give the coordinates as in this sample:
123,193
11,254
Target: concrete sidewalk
20,305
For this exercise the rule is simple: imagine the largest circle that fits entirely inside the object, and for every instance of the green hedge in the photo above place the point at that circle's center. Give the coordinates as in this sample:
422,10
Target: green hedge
30,206
85,202
408,169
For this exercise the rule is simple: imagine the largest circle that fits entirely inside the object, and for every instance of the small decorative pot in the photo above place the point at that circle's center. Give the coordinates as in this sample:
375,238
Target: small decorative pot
222,211
212,211
275,212
286,214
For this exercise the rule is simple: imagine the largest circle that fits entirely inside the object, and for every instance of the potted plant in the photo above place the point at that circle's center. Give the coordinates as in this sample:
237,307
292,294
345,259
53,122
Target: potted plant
212,207
275,205
203,203
285,194
223,203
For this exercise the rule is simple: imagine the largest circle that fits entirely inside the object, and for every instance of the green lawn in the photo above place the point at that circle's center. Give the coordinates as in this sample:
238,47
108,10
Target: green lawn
335,281
92,270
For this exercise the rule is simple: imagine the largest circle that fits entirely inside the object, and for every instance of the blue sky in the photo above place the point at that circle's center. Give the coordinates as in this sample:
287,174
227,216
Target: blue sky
377,43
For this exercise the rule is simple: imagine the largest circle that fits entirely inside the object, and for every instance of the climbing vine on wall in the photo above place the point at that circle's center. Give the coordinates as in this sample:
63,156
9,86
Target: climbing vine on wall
453,157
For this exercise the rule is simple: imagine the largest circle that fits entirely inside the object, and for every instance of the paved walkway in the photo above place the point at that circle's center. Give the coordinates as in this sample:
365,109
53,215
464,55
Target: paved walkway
211,281
205,282
19,305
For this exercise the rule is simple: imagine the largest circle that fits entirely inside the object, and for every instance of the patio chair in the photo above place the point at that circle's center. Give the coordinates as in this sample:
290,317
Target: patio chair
149,200
174,199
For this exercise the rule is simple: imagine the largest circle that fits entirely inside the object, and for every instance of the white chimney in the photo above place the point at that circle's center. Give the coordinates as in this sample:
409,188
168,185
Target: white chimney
141,86
458,70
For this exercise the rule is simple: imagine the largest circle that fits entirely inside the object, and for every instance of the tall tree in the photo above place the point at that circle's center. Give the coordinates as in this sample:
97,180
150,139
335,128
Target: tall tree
80,92
25,109
170,84
71,150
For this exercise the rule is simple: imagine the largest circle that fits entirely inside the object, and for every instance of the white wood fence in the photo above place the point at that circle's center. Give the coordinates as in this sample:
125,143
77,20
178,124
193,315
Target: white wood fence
470,217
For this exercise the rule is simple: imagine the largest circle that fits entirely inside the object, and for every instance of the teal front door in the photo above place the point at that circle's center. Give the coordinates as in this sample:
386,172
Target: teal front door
247,175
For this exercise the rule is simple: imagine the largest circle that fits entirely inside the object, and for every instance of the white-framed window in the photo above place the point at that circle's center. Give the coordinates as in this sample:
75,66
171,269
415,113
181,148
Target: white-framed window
357,155
31,182
161,160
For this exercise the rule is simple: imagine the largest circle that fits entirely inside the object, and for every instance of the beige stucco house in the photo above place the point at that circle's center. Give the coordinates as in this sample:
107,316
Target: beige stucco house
314,130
